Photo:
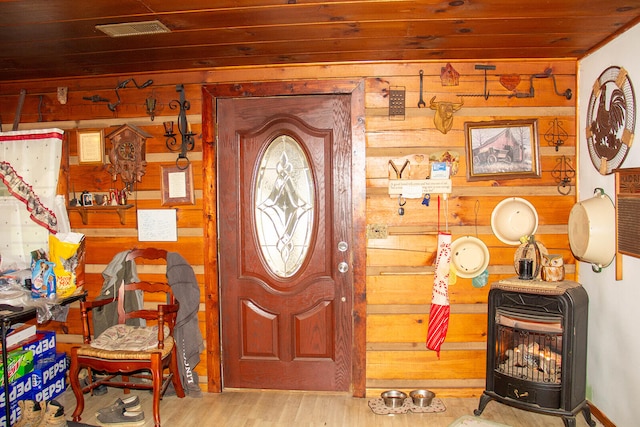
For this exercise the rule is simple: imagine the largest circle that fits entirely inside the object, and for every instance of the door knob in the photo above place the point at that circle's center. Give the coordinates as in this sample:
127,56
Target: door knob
343,267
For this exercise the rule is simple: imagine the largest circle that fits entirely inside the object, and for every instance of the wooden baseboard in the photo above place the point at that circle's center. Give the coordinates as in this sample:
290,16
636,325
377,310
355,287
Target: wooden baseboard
600,416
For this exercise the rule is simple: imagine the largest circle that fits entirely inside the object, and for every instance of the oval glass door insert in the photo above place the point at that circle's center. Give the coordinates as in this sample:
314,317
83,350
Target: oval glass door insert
284,205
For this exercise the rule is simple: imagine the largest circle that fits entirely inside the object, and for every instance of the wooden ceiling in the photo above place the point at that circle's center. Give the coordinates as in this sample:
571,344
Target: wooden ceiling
58,39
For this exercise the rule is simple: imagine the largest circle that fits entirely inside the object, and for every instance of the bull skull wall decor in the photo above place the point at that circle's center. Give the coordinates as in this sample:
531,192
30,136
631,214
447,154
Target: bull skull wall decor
443,118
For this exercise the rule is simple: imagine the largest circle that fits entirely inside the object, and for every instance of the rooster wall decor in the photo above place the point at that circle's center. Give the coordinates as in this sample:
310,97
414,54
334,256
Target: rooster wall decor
611,118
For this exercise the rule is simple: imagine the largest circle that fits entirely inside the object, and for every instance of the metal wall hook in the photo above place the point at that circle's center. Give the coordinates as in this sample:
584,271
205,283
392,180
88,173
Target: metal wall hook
485,68
563,173
556,135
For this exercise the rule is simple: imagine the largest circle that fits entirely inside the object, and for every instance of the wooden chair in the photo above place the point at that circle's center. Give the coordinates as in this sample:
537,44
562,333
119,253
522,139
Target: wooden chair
121,364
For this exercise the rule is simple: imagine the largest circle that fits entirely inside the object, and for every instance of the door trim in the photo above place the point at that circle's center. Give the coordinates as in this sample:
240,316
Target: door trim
354,88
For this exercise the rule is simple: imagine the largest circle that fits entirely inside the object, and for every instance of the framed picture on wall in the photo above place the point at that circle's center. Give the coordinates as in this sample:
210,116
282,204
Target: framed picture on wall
502,149
90,146
177,186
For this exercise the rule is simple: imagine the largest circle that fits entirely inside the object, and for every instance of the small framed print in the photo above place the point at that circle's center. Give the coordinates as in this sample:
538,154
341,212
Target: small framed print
177,186
87,199
90,146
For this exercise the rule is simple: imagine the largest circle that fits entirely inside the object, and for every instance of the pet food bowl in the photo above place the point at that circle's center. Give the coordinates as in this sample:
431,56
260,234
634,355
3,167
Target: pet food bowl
422,397
393,398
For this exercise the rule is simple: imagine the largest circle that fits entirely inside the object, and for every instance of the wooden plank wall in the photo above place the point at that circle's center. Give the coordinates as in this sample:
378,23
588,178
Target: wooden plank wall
400,266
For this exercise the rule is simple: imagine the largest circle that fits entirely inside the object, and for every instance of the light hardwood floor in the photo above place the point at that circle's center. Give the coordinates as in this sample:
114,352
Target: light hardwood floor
251,408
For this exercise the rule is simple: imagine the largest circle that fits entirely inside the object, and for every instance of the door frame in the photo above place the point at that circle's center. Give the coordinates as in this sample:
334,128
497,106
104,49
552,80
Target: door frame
210,93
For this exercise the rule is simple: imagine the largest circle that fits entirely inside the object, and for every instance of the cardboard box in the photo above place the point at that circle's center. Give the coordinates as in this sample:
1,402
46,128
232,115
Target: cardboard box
46,370
20,363
19,389
52,390
18,333
15,414
42,346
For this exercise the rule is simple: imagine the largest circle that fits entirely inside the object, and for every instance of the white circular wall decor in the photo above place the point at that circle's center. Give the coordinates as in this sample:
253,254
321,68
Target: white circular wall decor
611,118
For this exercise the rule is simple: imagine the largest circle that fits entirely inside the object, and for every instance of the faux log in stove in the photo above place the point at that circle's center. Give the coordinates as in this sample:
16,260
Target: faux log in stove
537,348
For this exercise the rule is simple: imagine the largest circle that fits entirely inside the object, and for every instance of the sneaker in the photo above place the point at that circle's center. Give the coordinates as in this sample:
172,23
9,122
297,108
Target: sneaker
54,415
131,404
124,419
32,413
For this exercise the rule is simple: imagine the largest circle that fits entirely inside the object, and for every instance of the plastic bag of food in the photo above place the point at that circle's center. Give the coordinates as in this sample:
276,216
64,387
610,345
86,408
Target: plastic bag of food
66,251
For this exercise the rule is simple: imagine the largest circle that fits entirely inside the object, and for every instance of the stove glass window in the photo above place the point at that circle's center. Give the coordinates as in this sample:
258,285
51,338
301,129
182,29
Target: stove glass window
529,347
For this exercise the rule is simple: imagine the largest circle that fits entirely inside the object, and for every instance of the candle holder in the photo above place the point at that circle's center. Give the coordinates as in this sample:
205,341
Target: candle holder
187,142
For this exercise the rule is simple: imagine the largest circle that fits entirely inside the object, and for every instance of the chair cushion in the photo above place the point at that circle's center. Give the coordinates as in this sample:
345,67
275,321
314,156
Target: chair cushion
128,338
86,351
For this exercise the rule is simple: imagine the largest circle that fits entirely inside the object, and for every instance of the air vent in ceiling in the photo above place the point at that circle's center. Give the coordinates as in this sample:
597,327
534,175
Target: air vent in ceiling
133,28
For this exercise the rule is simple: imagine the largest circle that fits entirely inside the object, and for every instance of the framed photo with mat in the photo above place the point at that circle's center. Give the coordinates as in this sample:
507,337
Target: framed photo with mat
177,186
502,149
90,146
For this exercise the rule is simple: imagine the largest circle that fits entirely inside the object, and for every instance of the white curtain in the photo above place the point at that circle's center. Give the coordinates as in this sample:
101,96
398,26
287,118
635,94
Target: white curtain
31,157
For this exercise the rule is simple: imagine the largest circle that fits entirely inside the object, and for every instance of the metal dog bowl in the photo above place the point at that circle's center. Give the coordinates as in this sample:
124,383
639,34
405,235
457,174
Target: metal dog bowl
422,397
393,398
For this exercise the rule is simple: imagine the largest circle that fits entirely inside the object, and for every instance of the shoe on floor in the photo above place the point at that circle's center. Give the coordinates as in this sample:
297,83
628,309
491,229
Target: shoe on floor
100,390
54,415
131,404
124,419
32,413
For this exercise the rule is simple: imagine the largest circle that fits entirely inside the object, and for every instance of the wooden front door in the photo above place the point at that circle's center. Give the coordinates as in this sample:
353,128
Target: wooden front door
284,221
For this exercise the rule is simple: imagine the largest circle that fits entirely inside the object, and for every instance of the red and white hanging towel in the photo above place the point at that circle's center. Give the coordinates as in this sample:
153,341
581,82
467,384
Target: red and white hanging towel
440,309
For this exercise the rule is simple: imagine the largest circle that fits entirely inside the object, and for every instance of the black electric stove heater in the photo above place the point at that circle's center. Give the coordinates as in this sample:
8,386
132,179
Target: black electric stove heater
536,350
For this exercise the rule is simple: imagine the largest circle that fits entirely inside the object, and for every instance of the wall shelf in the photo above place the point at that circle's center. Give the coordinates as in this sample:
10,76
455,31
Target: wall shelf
84,211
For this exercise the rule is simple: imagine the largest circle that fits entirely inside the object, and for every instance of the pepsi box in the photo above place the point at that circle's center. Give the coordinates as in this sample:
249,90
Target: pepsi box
43,345
14,415
47,369
19,389
50,391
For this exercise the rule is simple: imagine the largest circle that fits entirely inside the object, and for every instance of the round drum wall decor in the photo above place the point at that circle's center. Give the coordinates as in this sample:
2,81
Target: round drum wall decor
611,118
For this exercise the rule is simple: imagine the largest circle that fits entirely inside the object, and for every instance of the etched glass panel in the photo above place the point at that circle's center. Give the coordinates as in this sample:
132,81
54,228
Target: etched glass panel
284,207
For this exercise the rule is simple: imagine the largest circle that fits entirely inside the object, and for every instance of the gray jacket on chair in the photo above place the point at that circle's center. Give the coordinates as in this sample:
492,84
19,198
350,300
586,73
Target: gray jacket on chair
117,272
189,341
